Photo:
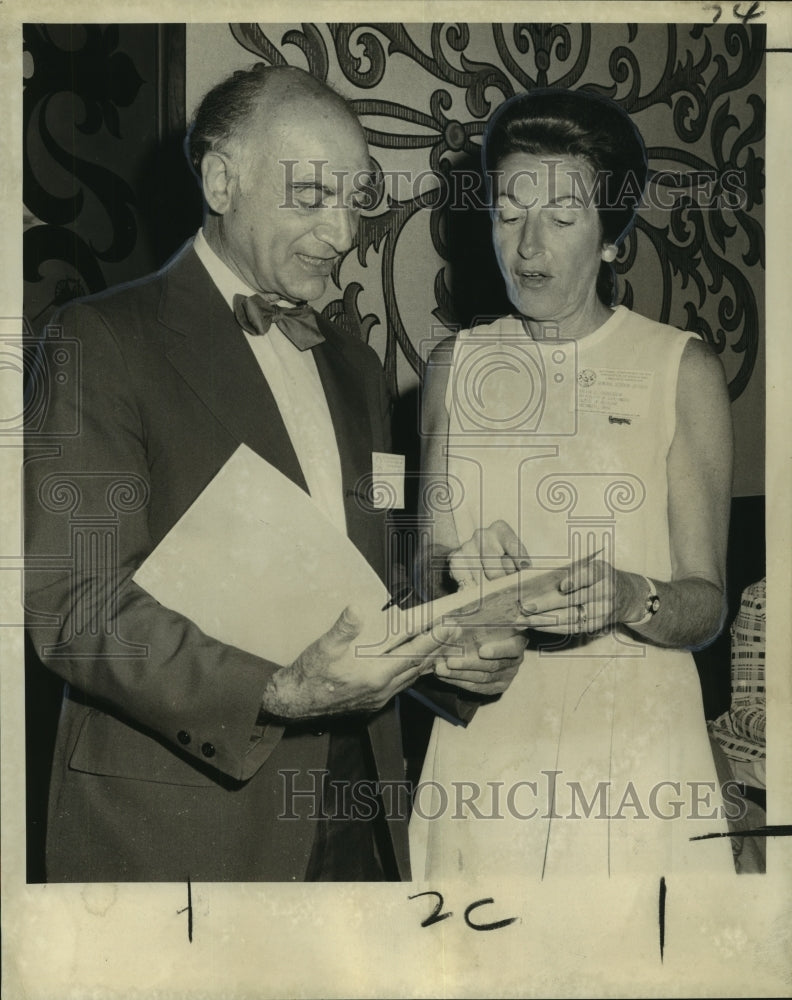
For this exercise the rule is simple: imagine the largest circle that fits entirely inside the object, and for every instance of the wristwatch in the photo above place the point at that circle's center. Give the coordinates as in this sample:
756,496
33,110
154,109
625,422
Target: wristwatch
651,604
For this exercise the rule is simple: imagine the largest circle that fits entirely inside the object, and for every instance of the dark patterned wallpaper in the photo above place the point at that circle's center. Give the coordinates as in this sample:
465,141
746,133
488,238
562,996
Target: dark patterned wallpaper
107,196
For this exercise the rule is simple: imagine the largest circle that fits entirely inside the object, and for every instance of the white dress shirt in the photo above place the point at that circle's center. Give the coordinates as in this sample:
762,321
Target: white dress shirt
294,380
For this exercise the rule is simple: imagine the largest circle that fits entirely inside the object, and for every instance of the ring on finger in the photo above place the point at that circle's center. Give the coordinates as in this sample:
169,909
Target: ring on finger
580,620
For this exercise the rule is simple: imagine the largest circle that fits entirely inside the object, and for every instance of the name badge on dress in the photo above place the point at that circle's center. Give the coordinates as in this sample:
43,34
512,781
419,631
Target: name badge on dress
622,393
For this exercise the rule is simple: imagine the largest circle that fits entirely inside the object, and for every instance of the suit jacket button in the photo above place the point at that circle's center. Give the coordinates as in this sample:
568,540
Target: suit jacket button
208,750
183,737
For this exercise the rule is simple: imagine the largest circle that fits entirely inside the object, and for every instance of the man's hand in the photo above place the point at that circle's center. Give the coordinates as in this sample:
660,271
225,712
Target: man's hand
328,678
485,667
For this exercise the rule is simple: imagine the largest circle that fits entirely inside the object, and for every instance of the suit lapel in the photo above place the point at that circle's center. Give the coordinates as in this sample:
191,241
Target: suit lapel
211,353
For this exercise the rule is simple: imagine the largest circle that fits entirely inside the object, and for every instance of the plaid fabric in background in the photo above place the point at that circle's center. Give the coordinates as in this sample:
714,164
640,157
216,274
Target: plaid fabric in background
741,730
748,646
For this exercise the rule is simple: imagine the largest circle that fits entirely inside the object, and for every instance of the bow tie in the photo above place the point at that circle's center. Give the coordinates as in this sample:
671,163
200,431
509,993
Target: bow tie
255,315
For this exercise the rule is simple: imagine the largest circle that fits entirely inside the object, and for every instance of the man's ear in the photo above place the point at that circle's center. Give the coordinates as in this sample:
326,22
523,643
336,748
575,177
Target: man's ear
217,182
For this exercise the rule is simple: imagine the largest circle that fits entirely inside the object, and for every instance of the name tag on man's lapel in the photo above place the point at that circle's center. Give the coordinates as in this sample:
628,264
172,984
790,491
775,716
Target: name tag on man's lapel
387,480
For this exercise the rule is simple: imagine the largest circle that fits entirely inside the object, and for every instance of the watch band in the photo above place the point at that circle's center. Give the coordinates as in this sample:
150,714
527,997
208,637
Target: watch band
651,604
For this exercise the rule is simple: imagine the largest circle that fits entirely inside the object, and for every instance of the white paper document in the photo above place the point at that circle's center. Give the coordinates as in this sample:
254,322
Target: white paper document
254,563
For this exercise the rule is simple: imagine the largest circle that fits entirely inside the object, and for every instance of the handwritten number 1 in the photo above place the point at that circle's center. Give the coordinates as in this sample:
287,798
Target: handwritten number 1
189,910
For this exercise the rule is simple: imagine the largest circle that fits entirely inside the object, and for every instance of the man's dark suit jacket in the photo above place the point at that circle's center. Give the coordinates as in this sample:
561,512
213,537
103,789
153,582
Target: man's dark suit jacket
160,771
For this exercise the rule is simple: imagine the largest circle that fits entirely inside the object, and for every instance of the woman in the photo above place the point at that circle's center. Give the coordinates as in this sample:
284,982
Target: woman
583,435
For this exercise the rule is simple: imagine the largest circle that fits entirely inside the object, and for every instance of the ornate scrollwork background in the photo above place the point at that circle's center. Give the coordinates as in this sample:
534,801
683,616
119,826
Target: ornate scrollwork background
99,211
706,119
424,93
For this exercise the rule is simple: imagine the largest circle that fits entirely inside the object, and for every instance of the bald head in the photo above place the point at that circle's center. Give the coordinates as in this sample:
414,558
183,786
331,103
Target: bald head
255,100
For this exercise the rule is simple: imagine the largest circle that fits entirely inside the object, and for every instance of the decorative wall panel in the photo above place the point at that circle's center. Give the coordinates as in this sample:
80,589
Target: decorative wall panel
108,198
423,262
99,130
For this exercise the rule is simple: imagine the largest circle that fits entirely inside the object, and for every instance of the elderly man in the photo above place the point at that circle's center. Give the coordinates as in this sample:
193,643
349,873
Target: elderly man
174,763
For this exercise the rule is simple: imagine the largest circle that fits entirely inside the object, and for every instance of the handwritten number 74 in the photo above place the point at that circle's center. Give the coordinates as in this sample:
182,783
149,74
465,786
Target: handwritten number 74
744,16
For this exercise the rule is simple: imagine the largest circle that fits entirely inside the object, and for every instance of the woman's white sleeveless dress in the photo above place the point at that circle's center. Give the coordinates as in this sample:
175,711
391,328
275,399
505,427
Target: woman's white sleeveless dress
596,759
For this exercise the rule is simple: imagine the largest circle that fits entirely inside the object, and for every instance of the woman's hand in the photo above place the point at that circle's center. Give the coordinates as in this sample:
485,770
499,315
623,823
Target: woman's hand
591,596
495,551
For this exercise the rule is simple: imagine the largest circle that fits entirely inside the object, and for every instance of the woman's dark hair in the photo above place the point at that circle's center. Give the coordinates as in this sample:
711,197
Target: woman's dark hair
585,126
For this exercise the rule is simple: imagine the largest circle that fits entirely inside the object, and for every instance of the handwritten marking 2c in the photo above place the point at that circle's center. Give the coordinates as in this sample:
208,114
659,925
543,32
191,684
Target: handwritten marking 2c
436,914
